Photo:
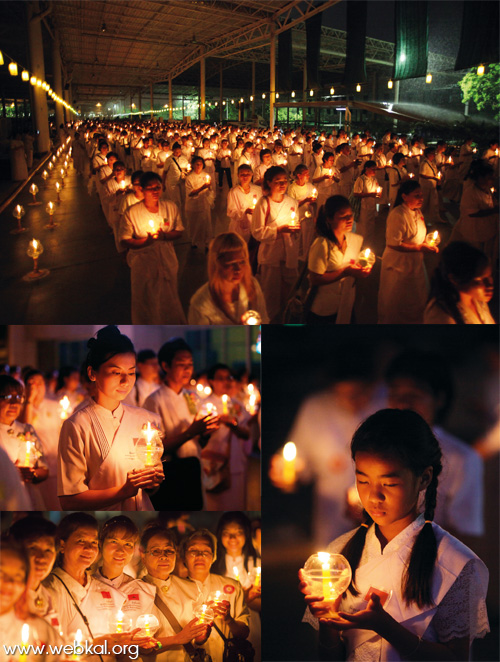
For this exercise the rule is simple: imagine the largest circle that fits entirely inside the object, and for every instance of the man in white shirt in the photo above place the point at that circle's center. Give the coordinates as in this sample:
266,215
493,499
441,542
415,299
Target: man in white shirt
148,380
179,413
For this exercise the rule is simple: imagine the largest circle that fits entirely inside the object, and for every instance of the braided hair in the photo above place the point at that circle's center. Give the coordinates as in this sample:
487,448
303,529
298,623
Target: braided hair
405,436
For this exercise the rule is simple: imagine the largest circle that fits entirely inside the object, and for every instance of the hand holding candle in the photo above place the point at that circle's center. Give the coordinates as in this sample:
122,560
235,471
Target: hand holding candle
327,575
251,318
65,405
149,447
366,258
433,239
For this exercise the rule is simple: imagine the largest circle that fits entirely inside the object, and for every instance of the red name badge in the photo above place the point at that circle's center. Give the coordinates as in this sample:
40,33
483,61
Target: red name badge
229,589
383,595
54,622
133,596
106,594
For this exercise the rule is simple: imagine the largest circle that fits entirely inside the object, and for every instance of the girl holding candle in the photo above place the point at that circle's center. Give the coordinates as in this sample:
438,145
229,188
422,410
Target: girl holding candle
236,554
279,246
461,287
331,264
397,175
147,230
265,163
403,281
429,179
98,467
207,154
231,289
367,191
478,222
325,178
20,441
28,629
306,195
198,204
437,586
241,201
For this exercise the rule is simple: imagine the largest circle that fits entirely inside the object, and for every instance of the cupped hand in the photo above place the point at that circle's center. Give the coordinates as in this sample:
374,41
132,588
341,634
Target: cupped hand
370,618
193,630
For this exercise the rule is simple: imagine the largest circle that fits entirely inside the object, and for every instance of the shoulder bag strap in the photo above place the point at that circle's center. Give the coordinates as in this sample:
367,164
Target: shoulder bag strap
176,626
175,161
77,607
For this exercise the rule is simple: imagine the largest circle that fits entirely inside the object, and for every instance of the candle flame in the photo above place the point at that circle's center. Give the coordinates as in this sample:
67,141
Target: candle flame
25,633
324,557
78,636
289,451
34,243
224,398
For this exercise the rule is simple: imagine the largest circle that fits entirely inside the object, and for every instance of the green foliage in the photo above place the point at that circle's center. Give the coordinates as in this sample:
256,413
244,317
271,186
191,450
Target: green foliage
483,90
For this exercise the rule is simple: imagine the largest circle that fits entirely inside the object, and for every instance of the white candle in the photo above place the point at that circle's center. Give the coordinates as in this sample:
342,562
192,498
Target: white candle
289,455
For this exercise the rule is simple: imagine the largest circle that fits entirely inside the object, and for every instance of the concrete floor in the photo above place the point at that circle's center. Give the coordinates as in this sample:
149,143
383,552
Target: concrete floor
89,281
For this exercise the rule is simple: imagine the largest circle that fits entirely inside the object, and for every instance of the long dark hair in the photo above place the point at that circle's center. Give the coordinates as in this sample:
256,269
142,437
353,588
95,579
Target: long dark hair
406,437
325,214
405,189
462,263
269,175
236,517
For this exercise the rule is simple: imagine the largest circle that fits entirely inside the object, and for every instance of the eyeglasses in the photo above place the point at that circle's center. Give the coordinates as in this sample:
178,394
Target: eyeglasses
11,397
153,188
193,553
157,553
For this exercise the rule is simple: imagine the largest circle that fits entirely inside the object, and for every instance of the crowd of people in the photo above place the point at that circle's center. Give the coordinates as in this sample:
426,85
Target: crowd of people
297,202
128,431
163,590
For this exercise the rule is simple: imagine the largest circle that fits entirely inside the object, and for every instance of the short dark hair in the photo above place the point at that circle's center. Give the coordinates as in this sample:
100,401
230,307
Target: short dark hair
148,177
30,527
145,354
153,531
9,384
211,372
169,349
108,343
118,523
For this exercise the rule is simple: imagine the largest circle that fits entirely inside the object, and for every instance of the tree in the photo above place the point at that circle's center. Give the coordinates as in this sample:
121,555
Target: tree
483,90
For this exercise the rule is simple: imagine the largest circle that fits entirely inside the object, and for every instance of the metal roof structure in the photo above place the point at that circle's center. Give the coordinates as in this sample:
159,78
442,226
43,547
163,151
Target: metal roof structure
113,47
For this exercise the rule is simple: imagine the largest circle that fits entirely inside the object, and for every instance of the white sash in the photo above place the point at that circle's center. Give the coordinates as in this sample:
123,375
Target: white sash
120,459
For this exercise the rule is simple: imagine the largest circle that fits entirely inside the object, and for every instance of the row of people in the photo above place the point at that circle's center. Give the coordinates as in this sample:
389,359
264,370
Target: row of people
89,455
156,592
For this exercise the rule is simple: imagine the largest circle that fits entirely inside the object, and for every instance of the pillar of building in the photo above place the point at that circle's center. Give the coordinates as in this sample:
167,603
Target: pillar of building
253,88
202,89
170,106
152,100
37,68
221,89
57,86
272,77
304,91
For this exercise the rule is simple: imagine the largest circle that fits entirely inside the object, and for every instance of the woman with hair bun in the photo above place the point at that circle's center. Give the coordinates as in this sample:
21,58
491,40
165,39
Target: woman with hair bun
417,593
275,223
97,466
231,289
332,267
461,287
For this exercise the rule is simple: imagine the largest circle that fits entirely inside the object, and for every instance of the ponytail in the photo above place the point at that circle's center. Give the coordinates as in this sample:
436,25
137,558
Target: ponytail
353,549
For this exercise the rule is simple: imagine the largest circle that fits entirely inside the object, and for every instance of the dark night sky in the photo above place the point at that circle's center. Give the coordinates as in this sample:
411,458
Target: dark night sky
445,20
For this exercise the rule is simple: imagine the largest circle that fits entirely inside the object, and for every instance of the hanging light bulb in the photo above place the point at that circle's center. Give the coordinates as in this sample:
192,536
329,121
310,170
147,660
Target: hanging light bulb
38,82
263,95
332,90
358,88
277,95
293,94
241,100
480,70
311,93
13,69
45,86
25,75
389,84
251,98
33,80
428,78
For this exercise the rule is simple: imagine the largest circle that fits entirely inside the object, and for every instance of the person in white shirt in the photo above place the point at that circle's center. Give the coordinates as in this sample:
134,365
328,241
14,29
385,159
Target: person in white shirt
148,380
306,195
224,459
326,177
241,201
231,290
429,179
14,571
332,264
367,190
275,225
346,166
97,462
231,614
237,558
37,536
20,442
403,282
175,169
158,554
224,157
182,425
422,381
199,201
399,552
147,230
461,287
